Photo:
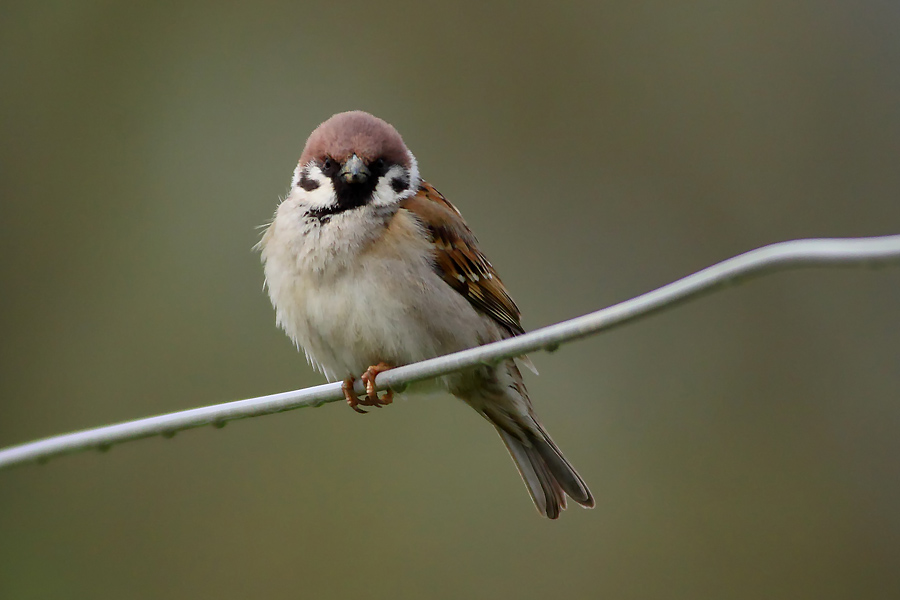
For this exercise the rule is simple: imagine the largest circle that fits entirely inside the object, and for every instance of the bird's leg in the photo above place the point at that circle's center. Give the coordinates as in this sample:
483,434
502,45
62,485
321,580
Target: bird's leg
368,378
352,399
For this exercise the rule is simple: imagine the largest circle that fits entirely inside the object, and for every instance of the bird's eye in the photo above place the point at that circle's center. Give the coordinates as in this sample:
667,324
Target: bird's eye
378,165
329,167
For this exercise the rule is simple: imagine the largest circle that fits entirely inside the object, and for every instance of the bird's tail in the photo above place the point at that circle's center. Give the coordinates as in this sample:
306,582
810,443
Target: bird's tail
547,474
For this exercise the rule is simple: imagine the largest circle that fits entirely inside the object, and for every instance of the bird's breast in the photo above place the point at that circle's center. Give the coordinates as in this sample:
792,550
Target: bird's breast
350,304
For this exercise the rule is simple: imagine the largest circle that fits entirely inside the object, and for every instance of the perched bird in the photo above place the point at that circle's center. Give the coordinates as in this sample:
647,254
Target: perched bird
369,267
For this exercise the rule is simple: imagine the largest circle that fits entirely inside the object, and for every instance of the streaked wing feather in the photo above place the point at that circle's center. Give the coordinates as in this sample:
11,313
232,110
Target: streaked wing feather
459,261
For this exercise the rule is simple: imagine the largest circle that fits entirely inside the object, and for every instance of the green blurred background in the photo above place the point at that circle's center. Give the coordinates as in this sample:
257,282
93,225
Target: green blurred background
743,446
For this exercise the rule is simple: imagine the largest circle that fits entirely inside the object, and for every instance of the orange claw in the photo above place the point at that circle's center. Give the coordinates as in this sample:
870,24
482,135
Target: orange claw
352,399
371,398
368,378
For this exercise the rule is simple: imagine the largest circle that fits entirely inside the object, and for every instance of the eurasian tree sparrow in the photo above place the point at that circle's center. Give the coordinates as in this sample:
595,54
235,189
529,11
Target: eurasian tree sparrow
369,267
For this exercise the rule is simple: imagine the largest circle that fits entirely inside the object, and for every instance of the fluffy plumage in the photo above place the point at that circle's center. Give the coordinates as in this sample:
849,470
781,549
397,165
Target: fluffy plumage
367,264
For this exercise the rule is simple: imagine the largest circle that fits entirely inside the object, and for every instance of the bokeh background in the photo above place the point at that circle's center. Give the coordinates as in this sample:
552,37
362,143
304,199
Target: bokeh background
746,445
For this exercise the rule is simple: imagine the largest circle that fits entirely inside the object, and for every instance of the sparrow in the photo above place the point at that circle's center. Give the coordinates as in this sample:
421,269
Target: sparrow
369,267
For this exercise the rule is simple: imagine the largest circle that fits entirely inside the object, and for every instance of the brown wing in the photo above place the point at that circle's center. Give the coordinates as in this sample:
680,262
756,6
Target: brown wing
458,260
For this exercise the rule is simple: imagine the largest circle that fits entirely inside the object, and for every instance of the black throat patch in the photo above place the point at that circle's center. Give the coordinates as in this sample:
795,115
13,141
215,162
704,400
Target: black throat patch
349,195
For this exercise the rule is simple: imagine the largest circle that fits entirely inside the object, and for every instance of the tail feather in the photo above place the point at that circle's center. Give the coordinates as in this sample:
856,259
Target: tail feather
547,474
499,395
545,492
566,475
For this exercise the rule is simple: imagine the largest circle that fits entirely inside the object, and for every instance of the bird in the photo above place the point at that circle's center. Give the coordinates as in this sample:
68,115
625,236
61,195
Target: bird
369,267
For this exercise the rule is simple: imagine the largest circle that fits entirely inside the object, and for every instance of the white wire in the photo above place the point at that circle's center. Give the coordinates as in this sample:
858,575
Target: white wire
797,253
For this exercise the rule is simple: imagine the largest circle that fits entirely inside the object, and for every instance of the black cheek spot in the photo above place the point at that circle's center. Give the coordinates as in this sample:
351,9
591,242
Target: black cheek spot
400,183
308,184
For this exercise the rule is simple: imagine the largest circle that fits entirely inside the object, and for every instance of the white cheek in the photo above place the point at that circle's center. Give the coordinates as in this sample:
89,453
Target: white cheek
320,197
385,195
415,180
298,173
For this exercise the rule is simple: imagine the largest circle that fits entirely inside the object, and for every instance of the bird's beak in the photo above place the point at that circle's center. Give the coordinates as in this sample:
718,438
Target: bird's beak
354,170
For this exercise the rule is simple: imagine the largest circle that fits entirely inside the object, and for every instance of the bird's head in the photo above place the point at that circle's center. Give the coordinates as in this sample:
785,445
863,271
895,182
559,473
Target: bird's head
353,160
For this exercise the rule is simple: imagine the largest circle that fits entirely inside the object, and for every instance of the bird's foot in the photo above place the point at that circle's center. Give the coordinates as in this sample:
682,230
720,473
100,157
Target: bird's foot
368,378
350,395
371,398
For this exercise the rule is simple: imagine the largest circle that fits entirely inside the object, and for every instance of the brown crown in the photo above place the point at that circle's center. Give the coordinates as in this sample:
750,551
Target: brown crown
356,132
